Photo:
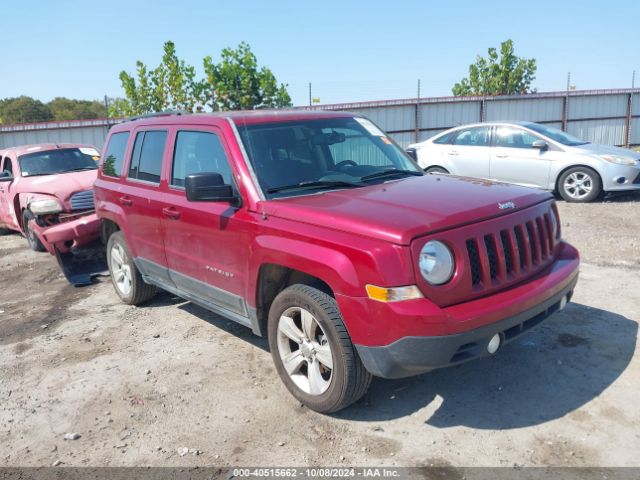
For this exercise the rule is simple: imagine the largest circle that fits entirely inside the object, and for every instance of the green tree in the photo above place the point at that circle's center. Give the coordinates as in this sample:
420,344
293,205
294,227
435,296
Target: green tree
499,74
70,109
23,110
234,83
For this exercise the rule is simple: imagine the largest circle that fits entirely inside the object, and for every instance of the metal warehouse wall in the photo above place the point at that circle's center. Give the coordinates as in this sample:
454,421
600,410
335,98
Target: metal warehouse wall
91,132
601,116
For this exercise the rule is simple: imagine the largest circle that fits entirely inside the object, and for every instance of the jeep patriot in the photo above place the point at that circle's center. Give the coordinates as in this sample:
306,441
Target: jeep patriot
316,230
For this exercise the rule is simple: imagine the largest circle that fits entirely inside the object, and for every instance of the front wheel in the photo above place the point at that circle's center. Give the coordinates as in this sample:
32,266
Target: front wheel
312,350
579,184
34,242
126,278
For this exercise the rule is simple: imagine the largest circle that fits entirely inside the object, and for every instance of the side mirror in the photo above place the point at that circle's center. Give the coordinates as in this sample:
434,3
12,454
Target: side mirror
6,177
540,144
208,187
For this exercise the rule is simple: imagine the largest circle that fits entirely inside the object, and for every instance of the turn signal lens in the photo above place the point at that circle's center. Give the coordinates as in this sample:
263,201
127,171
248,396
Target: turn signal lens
396,294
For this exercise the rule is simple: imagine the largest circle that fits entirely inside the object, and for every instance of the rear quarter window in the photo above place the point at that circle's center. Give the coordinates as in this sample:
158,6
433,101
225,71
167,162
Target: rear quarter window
114,156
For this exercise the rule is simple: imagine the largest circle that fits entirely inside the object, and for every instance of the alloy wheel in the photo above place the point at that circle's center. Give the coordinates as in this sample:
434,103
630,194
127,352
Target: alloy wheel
120,270
305,351
578,185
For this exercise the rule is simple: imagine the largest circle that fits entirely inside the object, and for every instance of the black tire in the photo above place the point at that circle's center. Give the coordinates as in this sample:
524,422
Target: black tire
576,195
349,379
4,231
32,239
140,291
436,170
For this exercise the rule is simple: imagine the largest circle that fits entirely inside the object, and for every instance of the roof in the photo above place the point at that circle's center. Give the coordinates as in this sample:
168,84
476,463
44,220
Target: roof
42,147
244,117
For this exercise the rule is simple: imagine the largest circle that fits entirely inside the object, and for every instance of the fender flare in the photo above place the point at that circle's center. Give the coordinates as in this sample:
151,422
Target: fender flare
331,266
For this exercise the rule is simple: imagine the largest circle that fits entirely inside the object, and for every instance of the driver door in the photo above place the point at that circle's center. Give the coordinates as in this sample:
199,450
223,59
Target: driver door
515,160
7,214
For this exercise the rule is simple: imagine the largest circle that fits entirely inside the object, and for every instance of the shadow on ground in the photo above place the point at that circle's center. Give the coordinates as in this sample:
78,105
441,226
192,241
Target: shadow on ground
549,372
164,299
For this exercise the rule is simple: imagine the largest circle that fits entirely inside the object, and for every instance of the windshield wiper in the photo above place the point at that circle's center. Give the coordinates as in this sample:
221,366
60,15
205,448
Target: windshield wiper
80,169
391,172
315,185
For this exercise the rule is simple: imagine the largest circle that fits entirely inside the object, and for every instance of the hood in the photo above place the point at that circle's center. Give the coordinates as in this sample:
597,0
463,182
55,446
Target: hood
401,210
61,185
596,149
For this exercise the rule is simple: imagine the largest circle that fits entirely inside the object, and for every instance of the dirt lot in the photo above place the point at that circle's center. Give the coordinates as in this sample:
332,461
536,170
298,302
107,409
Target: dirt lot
140,385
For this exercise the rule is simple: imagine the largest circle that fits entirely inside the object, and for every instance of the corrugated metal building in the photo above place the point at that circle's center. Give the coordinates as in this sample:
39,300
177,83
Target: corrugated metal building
601,116
92,132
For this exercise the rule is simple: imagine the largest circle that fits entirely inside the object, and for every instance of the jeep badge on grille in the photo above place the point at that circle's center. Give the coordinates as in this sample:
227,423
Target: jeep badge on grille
506,205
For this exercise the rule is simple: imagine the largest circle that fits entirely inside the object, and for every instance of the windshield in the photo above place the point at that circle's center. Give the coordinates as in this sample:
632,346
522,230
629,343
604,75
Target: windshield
557,135
62,160
308,156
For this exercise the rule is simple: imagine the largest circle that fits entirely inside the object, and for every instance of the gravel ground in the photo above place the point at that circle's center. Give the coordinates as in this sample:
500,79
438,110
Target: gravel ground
86,380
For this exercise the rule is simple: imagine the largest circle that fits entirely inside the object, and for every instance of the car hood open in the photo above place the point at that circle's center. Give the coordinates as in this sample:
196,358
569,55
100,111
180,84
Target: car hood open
400,210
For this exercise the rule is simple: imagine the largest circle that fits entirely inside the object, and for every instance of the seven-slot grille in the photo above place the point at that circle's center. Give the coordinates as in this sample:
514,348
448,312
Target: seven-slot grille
82,200
511,252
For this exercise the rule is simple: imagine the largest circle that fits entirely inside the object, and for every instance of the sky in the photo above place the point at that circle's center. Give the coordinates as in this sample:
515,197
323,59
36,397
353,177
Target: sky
348,50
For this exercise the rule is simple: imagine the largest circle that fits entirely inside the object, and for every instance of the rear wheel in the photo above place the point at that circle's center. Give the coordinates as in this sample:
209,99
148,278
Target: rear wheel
126,278
436,170
34,242
580,184
312,350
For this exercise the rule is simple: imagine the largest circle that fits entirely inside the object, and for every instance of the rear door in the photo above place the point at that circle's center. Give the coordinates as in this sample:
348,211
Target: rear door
142,200
205,242
514,160
468,152
7,214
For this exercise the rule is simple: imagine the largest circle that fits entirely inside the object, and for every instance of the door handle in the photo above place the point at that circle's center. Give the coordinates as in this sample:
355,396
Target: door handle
171,212
453,152
501,155
126,201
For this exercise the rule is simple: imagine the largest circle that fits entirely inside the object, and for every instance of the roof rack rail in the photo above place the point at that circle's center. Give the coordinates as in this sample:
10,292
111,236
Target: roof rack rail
164,113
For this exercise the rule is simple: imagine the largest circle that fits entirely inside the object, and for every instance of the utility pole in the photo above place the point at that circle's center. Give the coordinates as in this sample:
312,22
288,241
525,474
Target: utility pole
106,106
417,116
633,79
568,81
310,100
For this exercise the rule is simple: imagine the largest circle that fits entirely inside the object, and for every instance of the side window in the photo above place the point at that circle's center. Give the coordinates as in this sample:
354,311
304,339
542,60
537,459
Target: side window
114,156
6,166
445,139
472,137
146,160
197,152
514,138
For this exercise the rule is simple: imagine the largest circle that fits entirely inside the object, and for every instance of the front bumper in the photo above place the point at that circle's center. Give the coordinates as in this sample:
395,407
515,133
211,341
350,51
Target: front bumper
414,355
66,236
400,339
617,178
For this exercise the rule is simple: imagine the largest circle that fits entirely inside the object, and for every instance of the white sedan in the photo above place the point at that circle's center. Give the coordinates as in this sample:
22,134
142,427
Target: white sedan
533,155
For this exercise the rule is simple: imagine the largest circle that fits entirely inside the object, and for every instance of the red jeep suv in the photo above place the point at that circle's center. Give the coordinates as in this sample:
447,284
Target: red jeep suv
316,230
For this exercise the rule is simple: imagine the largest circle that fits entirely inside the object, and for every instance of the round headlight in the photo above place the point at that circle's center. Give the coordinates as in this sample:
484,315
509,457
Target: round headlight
436,262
